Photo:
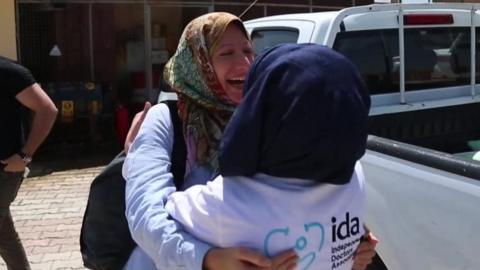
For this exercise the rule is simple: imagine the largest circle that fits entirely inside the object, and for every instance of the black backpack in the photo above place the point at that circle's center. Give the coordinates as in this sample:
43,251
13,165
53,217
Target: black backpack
105,240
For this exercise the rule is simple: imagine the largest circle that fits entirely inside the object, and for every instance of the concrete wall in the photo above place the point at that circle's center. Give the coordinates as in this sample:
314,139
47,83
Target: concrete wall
8,42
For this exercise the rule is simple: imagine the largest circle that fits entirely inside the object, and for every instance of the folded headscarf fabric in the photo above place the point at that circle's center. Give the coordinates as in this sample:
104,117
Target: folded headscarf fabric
304,115
204,107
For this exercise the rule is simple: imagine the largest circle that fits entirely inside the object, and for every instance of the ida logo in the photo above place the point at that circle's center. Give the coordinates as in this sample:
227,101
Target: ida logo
346,228
307,245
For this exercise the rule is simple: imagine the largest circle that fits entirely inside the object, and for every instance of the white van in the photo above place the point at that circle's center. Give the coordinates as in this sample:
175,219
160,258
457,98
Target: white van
419,62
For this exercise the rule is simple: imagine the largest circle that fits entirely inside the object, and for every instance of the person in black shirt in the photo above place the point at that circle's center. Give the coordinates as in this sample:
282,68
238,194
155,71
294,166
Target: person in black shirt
18,90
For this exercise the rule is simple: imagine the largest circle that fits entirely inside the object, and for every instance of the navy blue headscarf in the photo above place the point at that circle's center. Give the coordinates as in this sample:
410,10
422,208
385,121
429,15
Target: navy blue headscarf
304,115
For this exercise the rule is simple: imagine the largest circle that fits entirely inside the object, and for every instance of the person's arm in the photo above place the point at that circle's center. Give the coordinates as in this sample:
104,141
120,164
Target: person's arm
44,114
149,183
199,210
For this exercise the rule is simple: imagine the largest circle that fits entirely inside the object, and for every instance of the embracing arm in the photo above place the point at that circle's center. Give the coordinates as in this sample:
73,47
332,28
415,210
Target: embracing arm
149,183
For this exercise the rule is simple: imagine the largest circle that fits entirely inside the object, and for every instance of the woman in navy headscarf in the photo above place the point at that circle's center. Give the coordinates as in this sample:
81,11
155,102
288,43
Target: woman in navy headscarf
290,176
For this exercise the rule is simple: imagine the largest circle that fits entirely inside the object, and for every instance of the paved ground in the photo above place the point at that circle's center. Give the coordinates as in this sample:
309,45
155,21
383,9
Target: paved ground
49,208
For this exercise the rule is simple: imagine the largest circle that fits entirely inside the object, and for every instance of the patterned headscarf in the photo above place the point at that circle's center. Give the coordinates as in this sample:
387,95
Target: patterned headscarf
204,107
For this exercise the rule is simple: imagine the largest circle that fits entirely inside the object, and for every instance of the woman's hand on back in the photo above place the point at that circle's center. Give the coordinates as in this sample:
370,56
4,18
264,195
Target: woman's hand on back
244,258
285,261
135,127
365,252
235,259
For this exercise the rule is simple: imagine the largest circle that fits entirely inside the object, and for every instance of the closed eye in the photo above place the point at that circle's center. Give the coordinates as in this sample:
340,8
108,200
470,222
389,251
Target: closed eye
226,53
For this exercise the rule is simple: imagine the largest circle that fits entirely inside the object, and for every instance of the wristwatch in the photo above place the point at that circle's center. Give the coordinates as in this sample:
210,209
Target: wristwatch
25,157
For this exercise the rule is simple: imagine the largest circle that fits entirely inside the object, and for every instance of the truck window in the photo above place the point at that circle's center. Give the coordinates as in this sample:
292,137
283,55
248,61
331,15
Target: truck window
434,57
263,39
367,51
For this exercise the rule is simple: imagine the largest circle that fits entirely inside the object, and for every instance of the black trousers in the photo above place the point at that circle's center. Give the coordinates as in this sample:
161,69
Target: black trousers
11,248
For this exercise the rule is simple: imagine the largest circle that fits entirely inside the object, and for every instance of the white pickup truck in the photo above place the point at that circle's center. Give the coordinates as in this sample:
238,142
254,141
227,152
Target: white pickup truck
420,63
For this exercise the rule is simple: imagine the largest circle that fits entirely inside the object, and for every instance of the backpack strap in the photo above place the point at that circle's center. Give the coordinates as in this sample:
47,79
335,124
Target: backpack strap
179,151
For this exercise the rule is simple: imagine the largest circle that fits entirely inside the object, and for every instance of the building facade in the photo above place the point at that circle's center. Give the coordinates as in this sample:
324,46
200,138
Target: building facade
94,55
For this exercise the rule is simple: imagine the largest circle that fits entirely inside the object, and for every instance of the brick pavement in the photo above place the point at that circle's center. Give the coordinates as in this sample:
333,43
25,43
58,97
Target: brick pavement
48,213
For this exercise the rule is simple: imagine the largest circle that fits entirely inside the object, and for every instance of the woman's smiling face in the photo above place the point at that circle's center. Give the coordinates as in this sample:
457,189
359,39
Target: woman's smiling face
231,61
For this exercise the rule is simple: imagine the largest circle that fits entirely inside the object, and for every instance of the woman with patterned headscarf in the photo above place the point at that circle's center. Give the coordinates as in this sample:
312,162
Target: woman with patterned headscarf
207,72
208,75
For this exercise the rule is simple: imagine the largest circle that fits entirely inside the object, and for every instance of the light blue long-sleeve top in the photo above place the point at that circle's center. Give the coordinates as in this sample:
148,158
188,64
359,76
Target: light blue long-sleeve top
162,244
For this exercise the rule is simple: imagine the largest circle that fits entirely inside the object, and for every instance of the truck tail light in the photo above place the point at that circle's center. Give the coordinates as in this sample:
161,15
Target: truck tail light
417,19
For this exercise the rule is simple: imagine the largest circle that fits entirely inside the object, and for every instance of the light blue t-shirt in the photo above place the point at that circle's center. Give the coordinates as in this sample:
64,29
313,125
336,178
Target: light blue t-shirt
162,244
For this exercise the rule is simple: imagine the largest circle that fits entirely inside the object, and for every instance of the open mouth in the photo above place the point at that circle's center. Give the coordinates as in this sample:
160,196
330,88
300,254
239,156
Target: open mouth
236,82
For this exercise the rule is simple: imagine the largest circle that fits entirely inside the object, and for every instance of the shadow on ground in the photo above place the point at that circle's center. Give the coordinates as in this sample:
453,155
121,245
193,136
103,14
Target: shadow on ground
63,156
